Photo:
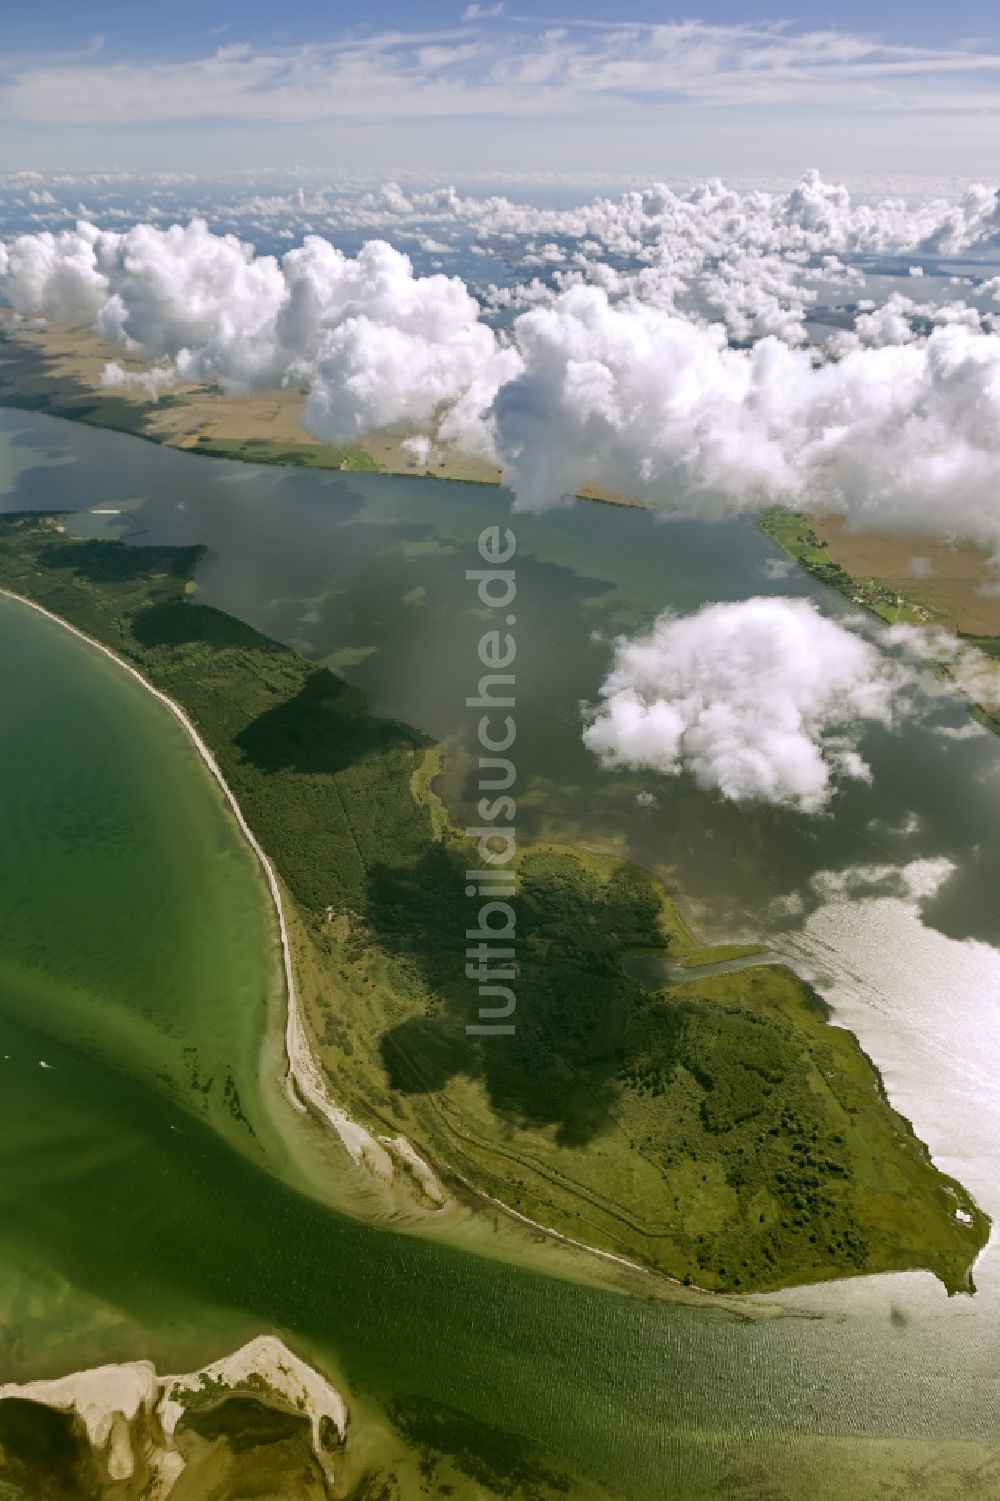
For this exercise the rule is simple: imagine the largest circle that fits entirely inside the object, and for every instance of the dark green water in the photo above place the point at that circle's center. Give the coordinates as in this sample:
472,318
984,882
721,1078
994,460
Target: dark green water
135,1215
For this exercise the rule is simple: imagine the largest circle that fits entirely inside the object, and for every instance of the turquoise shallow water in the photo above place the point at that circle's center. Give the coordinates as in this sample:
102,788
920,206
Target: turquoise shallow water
130,913
135,931
140,1215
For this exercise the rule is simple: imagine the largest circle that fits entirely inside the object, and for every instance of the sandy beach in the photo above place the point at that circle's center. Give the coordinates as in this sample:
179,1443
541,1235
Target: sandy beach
110,1399
306,1086
392,1161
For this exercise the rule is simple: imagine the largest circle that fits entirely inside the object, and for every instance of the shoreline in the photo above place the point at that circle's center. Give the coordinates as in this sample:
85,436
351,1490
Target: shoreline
387,1161
10,402
304,1083
302,1078
130,1413
873,594
382,1157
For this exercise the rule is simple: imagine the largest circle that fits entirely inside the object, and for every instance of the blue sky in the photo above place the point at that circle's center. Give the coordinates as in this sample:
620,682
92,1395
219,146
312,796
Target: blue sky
188,24
565,88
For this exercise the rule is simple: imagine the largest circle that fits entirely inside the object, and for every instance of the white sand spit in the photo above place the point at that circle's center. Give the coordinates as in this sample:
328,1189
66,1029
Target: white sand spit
109,1399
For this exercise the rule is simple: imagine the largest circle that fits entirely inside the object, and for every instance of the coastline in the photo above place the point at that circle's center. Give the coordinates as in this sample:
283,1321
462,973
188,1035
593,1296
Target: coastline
391,1161
130,1413
379,1156
303,1079
56,371
391,1181
972,672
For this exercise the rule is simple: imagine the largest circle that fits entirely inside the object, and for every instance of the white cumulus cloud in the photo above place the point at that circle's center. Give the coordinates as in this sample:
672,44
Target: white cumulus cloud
638,400
375,345
761,700
610,378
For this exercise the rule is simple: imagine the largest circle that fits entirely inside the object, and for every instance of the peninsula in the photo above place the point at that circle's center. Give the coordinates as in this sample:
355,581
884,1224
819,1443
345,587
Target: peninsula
713,1128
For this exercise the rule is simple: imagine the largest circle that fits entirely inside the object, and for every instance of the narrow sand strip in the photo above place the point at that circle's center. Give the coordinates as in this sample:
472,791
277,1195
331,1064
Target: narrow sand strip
108,1399
305,1082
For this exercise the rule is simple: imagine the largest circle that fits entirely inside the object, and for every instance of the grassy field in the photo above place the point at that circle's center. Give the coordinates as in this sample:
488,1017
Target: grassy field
717,1130
59,370
951,604
294,455
890,600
